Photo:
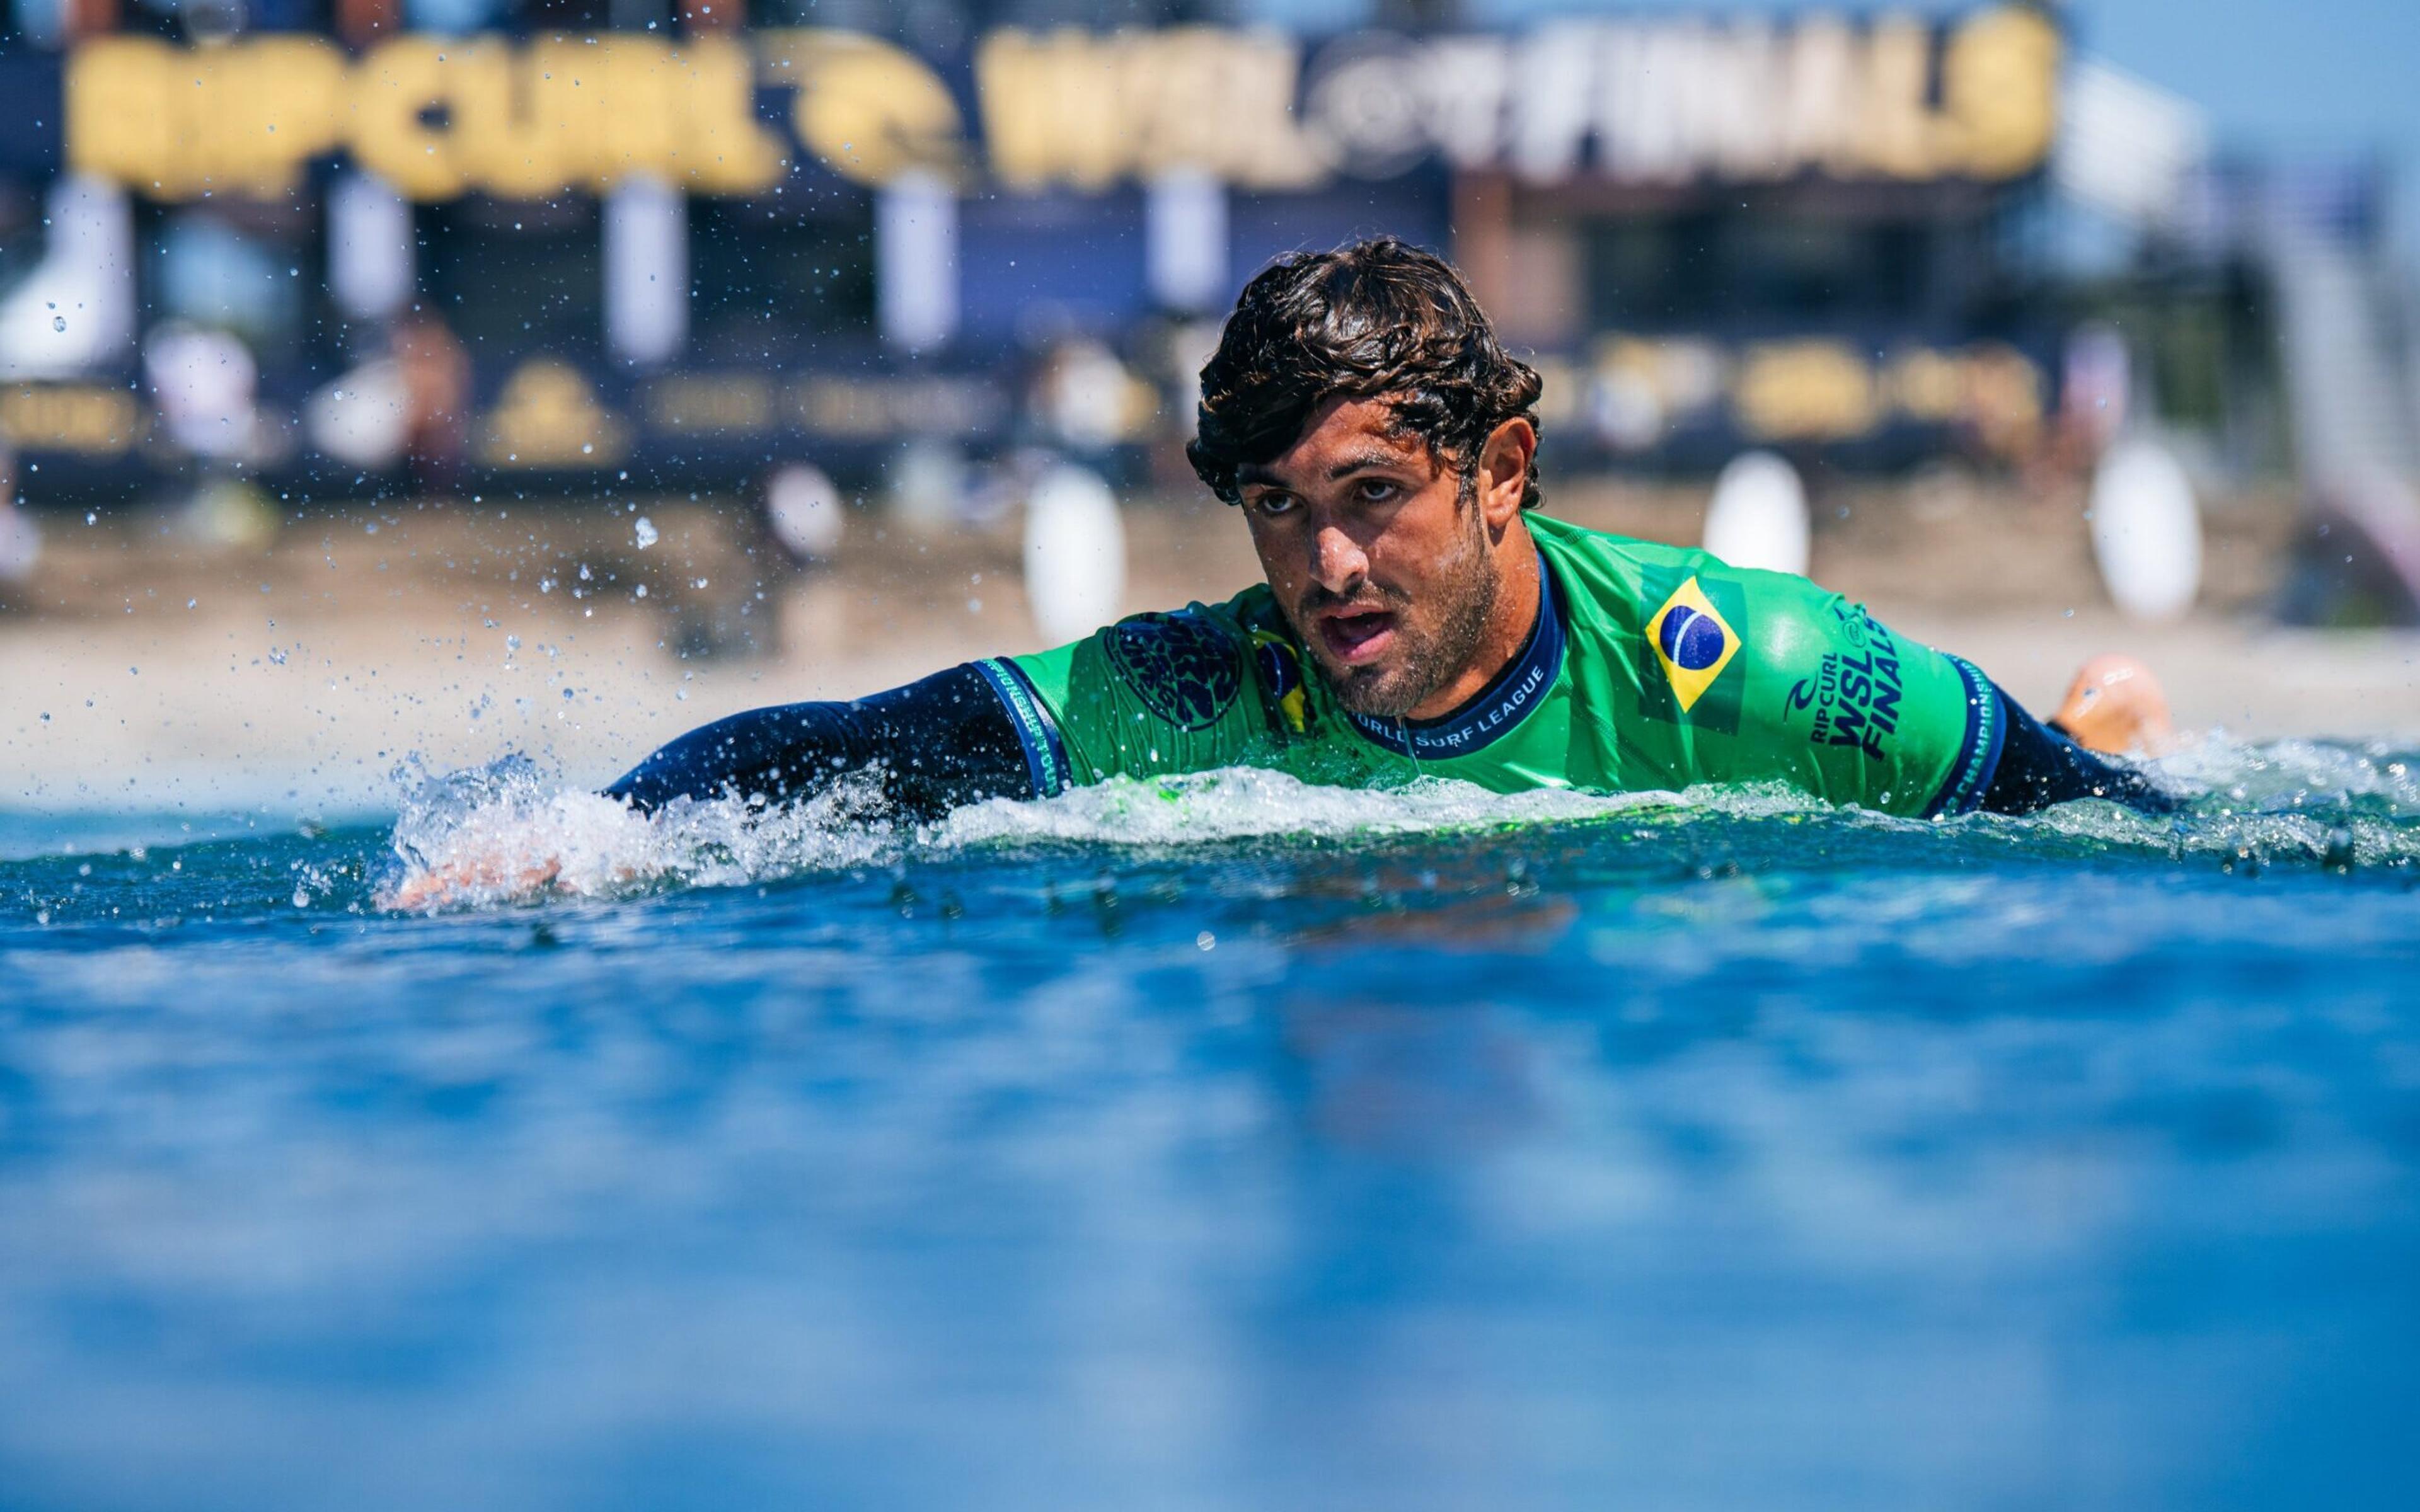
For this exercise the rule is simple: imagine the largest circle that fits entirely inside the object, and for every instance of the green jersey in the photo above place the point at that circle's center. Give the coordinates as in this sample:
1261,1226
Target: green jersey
1650,667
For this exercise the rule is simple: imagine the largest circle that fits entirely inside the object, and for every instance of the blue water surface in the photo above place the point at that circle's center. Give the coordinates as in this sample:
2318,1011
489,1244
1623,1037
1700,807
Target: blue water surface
1732,1155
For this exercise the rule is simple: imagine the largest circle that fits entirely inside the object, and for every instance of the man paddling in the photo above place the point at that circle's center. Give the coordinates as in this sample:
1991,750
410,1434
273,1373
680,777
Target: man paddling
1420,618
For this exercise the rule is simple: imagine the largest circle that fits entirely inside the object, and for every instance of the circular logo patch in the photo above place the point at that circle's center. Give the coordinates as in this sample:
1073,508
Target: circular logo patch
1693,641
1181,666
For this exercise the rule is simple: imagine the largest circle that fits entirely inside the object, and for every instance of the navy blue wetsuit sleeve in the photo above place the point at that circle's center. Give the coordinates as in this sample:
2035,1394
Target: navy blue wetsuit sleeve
946,740
2040,766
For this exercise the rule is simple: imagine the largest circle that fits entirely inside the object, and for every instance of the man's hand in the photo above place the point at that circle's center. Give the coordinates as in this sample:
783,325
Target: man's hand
2114,706
477,879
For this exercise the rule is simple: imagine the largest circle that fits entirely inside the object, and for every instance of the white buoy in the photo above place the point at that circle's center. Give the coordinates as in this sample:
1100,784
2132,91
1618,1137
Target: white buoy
2147,530
1074,553
802,509
1757,517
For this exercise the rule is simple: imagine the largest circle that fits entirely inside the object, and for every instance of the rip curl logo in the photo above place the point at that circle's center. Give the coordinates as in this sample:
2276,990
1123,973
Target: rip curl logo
1183,666
1855,695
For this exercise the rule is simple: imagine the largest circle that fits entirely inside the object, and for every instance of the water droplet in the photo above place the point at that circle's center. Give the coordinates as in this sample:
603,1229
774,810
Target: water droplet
58,322
646,533
302,899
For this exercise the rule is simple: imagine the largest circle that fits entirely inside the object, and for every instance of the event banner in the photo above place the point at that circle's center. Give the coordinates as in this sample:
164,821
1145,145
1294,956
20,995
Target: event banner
1656,100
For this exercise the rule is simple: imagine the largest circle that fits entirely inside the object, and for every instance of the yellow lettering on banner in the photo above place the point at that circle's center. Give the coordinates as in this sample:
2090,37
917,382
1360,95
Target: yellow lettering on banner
1084,111
869,110
1054,109
1218,101
119,125
625,110
401,92
1999,86
177,122
267,109
438,117
1269,149
724,148
1900,135
573,112
1174,82
521,121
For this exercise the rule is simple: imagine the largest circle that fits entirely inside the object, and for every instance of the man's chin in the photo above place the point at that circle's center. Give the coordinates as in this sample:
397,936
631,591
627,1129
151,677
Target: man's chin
1375,692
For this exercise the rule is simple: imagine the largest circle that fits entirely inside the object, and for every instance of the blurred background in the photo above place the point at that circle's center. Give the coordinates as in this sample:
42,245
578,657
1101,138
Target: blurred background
384,379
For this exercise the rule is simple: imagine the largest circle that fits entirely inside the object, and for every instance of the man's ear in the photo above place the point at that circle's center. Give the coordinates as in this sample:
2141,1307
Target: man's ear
1504,470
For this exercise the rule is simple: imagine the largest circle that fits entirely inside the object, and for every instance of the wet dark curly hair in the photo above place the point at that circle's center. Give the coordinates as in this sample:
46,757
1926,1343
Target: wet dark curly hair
1379,318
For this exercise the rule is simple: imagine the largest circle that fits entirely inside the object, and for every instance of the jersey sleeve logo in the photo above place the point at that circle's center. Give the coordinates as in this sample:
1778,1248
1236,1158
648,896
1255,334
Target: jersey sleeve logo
1693,641
1181,666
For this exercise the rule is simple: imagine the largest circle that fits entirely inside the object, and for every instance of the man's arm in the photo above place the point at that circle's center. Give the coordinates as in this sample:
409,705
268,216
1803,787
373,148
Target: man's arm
1841,705
946,740
2039,765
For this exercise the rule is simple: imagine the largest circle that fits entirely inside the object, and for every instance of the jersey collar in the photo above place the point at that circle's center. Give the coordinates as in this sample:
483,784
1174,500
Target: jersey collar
1499,707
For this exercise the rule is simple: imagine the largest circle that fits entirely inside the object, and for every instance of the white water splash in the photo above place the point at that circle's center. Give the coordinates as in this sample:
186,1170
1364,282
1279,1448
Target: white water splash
1243,802
508,832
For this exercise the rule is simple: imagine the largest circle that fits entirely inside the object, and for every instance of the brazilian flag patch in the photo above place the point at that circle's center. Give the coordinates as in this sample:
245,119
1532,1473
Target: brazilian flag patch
1694,636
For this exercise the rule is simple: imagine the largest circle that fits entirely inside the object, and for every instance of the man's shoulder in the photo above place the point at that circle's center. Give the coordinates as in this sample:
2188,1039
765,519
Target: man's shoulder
1614,578
1622,570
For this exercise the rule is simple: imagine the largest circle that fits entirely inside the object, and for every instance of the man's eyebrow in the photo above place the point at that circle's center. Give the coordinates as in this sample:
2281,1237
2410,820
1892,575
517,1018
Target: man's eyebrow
1251,473
1360,462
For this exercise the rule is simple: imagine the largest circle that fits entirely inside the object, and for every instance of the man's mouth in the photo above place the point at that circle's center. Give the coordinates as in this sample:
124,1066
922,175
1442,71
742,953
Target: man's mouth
1355,638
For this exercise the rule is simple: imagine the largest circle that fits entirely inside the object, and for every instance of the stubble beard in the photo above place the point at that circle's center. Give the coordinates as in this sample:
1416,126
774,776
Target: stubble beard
1426,659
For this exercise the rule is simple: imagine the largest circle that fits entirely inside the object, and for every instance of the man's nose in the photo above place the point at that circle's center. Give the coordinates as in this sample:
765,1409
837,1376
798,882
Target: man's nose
1338,563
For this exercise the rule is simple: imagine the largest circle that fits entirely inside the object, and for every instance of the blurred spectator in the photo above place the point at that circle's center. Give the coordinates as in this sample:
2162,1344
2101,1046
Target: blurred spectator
437,399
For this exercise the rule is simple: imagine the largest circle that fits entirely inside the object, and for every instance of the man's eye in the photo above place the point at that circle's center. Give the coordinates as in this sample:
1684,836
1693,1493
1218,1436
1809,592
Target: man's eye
1273,504
1377,491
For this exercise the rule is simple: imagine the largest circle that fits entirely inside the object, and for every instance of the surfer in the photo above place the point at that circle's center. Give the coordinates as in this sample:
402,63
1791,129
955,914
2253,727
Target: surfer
1420,617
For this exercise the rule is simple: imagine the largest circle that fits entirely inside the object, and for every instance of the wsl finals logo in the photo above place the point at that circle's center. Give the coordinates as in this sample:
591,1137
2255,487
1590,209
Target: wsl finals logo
1696,634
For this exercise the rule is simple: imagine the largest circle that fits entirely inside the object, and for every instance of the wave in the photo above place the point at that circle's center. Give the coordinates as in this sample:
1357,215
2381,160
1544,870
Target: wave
509,831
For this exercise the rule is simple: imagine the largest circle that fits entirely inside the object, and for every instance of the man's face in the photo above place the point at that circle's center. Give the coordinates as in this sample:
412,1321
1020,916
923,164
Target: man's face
1378,555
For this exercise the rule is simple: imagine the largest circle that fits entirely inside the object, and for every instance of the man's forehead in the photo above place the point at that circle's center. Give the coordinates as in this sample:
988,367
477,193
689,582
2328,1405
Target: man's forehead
1344,432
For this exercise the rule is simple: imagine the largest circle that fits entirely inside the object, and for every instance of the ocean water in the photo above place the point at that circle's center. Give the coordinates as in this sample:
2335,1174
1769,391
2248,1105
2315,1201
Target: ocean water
1218,1143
